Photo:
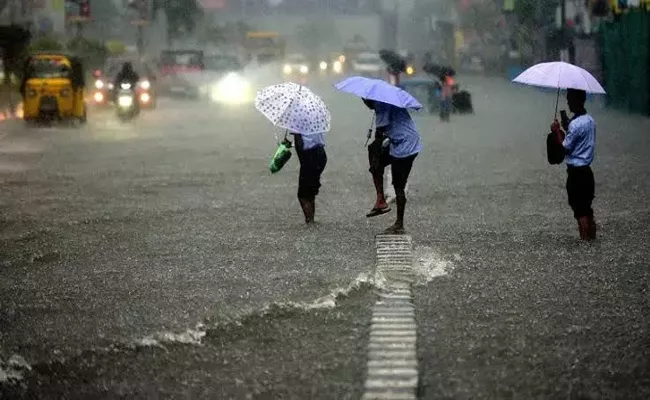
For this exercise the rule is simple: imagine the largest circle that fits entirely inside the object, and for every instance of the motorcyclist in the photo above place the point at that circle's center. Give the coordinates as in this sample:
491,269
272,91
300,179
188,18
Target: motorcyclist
127,75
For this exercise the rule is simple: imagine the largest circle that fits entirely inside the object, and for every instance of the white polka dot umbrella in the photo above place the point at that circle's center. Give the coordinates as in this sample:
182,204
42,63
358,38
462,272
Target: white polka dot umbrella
295,108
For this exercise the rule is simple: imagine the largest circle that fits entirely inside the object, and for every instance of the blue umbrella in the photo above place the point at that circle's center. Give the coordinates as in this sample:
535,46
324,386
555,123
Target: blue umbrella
378,90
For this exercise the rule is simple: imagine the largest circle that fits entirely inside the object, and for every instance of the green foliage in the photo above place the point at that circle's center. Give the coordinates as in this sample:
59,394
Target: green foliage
46,44
92,53
13,42
182,15
313,35
482,17
115,47
214,34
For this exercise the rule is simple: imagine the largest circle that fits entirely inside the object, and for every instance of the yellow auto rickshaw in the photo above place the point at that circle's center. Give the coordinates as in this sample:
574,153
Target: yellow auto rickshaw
53,88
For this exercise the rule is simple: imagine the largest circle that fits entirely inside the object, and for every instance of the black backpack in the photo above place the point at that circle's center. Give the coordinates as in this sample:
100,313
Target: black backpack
555,152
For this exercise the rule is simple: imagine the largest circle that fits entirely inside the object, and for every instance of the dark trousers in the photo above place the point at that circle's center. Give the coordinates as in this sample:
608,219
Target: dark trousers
312,165
379,158
580,187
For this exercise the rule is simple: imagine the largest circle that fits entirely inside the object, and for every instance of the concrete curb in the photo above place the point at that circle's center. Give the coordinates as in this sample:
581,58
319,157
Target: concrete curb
392,370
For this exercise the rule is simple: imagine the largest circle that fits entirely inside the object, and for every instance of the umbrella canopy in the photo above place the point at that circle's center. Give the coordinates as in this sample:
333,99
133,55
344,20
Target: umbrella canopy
559,75
295,108
438,70
394,61
378,90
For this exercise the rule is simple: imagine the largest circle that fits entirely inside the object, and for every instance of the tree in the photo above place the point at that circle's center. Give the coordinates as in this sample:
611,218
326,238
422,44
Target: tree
314,34
182,16
13,42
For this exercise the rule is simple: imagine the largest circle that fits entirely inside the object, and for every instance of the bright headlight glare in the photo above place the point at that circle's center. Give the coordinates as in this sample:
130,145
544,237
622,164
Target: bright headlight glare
304,69
232,89
145,85
337,66
287,69
125,101
99,84
323,65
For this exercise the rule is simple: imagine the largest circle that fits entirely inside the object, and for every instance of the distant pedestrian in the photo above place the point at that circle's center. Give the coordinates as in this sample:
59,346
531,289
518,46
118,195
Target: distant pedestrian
313,159
397,143
447,93
579,144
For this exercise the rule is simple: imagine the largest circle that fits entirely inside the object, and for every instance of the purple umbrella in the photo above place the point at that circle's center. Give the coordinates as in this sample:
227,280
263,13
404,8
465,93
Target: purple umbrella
378,90
559,75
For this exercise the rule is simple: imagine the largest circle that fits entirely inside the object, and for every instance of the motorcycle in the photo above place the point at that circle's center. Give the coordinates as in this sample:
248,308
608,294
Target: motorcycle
127,107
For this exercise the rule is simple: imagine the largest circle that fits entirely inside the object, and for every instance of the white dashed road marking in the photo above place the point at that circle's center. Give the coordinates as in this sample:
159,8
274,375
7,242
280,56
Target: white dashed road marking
392,362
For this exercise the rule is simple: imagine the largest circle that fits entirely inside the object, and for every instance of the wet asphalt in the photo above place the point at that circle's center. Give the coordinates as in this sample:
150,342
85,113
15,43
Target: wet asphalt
114,232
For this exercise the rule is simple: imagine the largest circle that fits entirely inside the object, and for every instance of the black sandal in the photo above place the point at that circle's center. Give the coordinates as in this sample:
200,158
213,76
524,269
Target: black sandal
378,211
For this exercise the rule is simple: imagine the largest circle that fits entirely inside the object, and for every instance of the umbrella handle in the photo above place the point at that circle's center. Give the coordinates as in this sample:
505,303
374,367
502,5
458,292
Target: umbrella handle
372,123
557,100
368,137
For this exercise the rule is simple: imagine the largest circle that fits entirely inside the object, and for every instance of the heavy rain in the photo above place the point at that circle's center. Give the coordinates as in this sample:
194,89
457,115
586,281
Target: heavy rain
324,199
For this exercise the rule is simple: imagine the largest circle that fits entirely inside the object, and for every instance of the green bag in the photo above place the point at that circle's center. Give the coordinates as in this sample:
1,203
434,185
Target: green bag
281,156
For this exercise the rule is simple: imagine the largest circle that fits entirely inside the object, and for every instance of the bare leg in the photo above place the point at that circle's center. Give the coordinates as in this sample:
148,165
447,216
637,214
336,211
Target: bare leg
398,226
388,187
378,180
311,210
308,208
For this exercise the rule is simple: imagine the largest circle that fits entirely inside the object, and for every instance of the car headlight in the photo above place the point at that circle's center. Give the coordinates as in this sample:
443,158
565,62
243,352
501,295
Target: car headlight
337,67
99,84
110,86
98,97
232,89
323,65
287,69
304,69
146,85
125,86
410,70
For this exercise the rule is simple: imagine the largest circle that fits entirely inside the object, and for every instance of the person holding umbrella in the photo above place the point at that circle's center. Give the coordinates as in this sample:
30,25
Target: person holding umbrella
393,125
304,115
313,159
578,144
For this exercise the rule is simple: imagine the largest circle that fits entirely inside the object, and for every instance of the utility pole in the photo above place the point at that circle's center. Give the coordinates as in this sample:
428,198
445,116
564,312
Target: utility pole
564,51
142,8
13,11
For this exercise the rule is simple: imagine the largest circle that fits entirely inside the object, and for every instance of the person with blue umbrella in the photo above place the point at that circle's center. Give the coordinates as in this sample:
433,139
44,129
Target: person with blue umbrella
394,127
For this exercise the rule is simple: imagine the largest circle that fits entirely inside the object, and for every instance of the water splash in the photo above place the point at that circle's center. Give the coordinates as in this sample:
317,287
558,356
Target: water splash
195,336
13,370
429,264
